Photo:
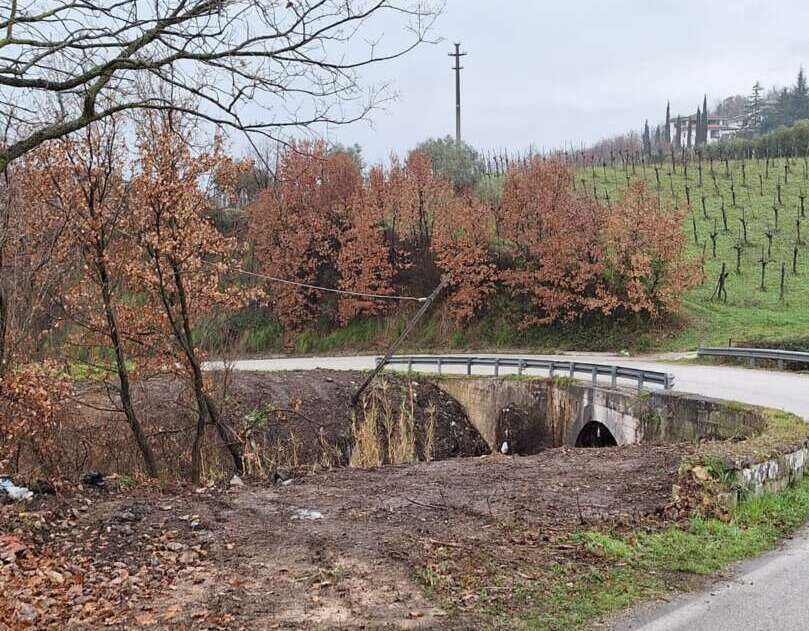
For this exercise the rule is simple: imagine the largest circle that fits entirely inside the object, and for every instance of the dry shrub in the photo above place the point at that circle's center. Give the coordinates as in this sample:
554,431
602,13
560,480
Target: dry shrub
572,256
402,442
429,435
382,436
30,420
296,224
367,451
262,459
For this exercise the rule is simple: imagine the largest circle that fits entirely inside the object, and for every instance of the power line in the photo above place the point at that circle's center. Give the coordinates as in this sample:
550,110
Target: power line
329,289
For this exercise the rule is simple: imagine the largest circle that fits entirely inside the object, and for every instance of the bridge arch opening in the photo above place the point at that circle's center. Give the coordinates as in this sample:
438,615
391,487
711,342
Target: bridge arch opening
595,435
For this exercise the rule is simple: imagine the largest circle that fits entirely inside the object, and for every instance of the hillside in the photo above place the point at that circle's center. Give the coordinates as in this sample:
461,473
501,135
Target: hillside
765,192
727,200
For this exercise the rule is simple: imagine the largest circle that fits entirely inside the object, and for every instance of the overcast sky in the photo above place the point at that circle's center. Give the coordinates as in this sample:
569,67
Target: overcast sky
554,73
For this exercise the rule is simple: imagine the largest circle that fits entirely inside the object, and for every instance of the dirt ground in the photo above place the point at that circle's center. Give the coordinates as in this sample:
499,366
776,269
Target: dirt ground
427,546
298,421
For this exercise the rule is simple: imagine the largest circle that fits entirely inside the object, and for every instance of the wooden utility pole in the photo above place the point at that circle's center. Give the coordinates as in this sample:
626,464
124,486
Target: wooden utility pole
457,68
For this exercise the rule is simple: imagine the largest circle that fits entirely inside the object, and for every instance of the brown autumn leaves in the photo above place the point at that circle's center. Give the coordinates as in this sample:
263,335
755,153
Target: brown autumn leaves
555,253
110,256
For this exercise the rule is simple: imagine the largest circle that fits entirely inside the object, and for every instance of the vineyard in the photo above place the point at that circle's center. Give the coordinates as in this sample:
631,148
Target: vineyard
746,216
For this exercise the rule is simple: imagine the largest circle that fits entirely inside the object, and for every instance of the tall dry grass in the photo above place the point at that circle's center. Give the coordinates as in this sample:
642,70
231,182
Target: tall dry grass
382,435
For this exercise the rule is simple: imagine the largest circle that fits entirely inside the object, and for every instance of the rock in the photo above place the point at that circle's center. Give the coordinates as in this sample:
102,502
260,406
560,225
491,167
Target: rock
189,556
280,476
55,577
126,516
236,481
175,546
27,613
700,474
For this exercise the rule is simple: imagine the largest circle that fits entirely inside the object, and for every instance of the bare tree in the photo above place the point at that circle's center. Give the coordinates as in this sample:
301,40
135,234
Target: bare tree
260,66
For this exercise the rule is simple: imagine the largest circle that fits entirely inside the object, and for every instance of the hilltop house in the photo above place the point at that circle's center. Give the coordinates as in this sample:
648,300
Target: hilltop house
718,127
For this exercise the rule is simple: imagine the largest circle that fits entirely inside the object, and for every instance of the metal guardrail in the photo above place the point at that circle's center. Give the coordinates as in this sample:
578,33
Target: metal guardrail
554,367
752,354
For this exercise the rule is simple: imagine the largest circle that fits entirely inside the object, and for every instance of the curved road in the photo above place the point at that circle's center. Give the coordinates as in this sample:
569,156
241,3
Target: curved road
785,391
768,594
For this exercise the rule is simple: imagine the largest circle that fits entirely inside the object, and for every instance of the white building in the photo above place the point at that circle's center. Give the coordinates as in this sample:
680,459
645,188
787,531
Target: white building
719,127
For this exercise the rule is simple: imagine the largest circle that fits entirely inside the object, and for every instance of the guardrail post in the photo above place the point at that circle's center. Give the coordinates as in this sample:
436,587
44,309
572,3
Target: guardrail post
595,375
497,367
781,364
409,364
752,362
521,367
572,369
552,370
439,365
469,367
614,376
667,382
640,380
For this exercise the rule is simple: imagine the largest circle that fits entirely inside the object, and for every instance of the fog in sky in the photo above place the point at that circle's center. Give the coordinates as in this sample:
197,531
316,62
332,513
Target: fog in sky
554,73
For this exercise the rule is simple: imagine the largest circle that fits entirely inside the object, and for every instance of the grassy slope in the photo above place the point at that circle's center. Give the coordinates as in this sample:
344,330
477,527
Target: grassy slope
639,565
749,312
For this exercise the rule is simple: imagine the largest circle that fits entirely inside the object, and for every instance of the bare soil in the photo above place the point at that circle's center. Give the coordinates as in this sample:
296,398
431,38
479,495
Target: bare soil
298,421
426,546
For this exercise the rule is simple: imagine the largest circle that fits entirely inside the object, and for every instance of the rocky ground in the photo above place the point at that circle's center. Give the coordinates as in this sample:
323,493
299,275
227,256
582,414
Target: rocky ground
427,546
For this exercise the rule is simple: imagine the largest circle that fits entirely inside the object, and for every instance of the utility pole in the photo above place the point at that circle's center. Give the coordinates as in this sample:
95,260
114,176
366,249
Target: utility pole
457,68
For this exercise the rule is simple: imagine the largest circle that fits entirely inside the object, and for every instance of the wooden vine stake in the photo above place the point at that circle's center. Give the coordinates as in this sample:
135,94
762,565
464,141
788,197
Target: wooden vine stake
720,292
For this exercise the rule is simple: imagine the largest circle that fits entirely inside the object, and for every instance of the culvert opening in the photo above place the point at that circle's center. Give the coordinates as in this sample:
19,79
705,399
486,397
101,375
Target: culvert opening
596,435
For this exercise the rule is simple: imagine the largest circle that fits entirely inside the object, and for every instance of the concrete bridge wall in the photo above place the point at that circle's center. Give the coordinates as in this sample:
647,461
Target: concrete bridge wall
533,414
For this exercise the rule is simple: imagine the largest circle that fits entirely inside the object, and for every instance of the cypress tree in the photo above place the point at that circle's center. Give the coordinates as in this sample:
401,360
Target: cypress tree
705,119
699,127
647,139
667,131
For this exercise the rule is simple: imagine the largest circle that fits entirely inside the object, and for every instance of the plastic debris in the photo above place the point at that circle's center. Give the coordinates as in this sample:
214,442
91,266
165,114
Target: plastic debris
236,481
504,448
306,513
14,492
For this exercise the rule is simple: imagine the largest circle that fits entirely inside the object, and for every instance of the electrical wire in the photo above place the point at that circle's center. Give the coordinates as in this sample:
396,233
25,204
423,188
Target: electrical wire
329,289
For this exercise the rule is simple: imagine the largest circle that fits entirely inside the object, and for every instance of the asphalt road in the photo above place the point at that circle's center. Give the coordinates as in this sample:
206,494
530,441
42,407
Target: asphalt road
786,391
768,594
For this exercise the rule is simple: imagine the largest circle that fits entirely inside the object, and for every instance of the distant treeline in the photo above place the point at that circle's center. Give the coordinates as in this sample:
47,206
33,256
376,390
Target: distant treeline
783,141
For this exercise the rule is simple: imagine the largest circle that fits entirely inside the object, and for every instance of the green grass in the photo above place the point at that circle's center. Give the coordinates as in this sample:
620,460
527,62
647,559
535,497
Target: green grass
749,313
572,605
639,566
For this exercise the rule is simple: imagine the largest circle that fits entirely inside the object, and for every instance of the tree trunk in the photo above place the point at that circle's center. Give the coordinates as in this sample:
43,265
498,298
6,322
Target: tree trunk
207,406
199,435
123,371
3,329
